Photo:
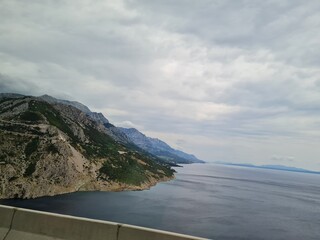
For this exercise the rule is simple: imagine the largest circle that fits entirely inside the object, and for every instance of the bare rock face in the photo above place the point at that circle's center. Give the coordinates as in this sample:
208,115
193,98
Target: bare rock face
54,148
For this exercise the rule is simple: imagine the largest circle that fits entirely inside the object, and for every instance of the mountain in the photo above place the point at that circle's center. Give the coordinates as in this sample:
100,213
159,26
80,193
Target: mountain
272,167
111,130
75,104
11,95
287,168
50,147
159,148
132,136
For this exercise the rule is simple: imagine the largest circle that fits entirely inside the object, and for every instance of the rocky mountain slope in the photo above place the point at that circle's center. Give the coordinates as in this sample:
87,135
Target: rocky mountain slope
49,147
159,148
111,130
129,136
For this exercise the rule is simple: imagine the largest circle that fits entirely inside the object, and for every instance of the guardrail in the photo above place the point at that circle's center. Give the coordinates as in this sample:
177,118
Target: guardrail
25,224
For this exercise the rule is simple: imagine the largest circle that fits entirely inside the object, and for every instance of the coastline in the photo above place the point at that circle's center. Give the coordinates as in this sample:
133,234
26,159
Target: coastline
96,186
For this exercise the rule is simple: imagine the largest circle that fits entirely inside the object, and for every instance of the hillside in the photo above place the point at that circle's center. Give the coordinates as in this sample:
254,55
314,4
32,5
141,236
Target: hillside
158,147
131,136
110,129
49,148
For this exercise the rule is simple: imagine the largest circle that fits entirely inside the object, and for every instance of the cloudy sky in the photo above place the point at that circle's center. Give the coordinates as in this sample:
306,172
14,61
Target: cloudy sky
235,81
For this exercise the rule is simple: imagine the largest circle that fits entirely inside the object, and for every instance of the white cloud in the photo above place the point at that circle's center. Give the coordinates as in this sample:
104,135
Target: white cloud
128,124
281,159
233,80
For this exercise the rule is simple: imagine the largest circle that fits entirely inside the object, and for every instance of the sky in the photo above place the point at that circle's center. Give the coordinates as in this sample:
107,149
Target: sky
233,81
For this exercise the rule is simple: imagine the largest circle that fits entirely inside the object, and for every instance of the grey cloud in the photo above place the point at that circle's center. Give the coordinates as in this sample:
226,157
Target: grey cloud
102,51
236,73
13,85
288,27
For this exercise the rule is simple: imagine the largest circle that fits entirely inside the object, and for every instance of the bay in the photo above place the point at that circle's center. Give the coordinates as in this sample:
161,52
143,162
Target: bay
207,200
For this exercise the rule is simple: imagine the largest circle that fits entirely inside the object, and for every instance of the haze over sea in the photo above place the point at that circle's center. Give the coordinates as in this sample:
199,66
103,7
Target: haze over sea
207,200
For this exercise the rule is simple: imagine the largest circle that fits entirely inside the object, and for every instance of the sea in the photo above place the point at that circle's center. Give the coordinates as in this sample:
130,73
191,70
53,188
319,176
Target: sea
207,200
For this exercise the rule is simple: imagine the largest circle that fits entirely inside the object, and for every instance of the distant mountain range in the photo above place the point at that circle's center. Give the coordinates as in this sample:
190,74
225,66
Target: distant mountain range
127,136
153,146
158,147
272,167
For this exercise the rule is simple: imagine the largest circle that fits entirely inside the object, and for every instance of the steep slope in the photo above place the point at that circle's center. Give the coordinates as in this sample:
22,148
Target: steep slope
158,147
53,148
133,136
75,104
111,130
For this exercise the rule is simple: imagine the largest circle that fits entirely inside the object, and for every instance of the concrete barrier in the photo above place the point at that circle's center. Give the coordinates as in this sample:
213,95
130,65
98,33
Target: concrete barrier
6,214
34,225
24,224
128,232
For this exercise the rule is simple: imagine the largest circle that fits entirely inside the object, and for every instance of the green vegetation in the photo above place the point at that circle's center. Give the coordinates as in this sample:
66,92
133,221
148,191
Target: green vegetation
98,137
31,147
5,99
3,158
30,169
90,150
13,178
20,128
101,144
52,149
12,147
16,105
9,107
53,116
126,171
126,168
31,116
122,163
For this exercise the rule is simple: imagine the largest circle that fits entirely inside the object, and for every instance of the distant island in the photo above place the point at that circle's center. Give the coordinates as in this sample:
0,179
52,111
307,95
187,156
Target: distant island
272,167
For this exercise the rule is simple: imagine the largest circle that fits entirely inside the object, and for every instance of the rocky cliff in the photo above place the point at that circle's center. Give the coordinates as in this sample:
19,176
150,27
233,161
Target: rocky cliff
49,148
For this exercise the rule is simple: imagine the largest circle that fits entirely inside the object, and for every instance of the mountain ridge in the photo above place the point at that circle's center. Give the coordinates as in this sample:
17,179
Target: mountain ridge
271,167
159,148
54,148
154,146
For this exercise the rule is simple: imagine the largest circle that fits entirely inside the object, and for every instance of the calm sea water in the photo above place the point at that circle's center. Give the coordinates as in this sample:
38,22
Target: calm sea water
207,200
